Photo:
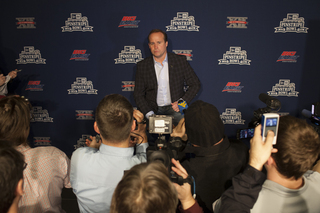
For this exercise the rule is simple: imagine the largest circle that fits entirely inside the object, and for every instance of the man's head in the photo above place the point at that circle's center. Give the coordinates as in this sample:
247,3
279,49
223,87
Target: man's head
11,176
204,126
145,188
114,118
14,120
158,43
298,147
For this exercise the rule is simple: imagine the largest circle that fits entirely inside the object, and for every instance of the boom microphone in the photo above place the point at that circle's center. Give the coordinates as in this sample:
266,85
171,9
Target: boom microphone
271,102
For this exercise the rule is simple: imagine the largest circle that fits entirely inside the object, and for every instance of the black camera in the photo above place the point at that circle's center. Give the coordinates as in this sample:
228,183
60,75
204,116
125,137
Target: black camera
163,150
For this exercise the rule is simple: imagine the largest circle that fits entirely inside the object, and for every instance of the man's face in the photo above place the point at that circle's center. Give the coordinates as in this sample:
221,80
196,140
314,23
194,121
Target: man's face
157,45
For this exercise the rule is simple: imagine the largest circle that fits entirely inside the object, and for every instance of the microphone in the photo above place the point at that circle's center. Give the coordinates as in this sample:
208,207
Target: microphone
271,102
182,104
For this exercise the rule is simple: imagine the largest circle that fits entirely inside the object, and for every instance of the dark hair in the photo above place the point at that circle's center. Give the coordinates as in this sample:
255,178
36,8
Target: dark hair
14,120
158,31
11,172
114,117
145,188
298,147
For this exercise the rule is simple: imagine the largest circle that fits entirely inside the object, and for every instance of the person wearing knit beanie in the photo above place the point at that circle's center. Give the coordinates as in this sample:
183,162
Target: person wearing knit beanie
215,159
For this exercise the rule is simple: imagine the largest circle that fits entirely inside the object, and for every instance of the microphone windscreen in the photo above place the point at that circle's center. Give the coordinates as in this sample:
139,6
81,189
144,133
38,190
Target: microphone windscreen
264,97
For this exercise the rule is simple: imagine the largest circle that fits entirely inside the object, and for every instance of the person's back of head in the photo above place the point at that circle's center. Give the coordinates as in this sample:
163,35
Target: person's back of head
14,120
145,188
11,176
298,147
204,126
114,117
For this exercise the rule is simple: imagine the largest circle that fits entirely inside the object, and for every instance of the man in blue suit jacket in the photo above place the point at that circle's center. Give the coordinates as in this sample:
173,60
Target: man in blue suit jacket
161,79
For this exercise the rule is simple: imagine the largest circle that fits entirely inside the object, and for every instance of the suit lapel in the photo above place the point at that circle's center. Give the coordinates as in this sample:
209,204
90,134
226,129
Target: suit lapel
153,73
171,72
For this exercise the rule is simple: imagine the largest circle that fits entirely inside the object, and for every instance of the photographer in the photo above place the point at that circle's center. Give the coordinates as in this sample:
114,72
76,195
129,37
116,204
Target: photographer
147,188
212,159
97,169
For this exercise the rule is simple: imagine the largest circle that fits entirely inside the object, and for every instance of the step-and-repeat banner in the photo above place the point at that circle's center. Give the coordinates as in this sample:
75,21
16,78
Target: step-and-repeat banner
73,53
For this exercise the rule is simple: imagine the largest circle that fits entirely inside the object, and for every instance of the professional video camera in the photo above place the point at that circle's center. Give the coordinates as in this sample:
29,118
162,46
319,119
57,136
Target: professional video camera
273,106
164,151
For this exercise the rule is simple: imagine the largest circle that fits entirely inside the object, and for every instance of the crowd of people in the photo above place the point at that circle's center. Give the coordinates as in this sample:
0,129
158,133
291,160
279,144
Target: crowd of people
112,174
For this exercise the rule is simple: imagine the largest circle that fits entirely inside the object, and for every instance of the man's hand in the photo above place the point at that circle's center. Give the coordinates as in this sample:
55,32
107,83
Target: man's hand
175,106
184,191
2,79
139,135
180,130
12,74
260,151
92,142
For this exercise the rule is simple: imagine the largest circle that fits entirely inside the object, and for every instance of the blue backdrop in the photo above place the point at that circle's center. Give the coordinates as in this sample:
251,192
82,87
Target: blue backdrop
73,53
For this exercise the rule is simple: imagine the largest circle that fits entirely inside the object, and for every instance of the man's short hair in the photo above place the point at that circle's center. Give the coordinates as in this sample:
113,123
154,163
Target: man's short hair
298,147
11,172
145,188
14,120
158,31
114,117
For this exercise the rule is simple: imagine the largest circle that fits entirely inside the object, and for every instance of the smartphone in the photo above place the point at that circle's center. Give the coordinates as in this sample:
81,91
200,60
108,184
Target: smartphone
270,121
245,133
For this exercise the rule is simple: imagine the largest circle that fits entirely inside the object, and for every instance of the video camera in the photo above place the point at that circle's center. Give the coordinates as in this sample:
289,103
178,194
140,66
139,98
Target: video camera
273,106
164,151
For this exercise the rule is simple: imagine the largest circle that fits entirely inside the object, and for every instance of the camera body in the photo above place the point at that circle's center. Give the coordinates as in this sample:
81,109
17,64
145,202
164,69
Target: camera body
160,124
163,150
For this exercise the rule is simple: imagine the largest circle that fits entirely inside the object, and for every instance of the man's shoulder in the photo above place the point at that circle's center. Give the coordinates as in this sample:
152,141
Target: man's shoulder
145,61
313,176
83,151
47,151
176,56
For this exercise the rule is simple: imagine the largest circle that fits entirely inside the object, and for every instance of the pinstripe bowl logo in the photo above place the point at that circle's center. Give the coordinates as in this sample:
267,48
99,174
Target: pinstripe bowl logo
183,22
129,55
128,86
82,86
84,115
30,56
77,22
41,141
26,23
284,88
292,24
40,115
82,141
235,56
231,116
187,53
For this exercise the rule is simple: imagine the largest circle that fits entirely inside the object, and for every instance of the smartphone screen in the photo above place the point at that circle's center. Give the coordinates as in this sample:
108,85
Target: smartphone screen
246,133
271,124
